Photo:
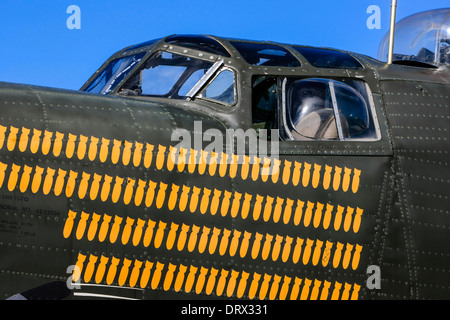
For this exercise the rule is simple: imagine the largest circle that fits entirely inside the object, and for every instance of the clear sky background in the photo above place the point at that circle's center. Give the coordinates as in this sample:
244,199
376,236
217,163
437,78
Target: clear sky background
36,47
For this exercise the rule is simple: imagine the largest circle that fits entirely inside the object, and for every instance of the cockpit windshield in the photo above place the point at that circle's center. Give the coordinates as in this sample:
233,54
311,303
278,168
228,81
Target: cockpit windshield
175,76
167,75
422,37
113,73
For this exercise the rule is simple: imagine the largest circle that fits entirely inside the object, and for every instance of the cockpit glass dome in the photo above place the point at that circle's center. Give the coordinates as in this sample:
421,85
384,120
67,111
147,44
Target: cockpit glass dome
423,37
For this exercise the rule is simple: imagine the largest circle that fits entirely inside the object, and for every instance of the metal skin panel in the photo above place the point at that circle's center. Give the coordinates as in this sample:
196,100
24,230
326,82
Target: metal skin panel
418,117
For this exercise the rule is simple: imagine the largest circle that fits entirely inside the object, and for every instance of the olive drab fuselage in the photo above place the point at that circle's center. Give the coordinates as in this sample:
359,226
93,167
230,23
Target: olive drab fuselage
94,190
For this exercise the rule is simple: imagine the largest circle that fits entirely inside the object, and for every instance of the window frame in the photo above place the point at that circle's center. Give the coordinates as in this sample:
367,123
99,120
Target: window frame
200,96
218,66
189,94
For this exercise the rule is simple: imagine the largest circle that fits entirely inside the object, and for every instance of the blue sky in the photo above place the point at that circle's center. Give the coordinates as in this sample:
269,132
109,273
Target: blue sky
38,48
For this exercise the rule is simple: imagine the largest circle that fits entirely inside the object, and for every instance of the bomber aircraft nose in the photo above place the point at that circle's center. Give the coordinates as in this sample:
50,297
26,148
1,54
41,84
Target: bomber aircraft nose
194,166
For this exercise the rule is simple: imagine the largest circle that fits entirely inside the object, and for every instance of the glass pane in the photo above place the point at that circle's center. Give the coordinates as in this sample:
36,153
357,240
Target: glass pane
423,37
222,88
313,104
354,113
323,58
168,75
159,81
311,114
113,73
266,54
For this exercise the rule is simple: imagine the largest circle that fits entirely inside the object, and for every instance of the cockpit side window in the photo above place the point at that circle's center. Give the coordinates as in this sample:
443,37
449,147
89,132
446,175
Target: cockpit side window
324,109
422,37
222,88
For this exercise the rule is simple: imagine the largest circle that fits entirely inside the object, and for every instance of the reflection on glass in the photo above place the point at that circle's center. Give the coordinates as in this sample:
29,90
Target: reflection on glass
172,75
423,37
324,109
311,111
113,73
191,81
221,88
168,75
353,111
325,58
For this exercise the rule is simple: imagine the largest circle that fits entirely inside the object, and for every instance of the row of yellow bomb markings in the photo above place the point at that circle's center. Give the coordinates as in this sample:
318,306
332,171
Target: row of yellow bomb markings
197,199
94,186
142,154
223,241
207,281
